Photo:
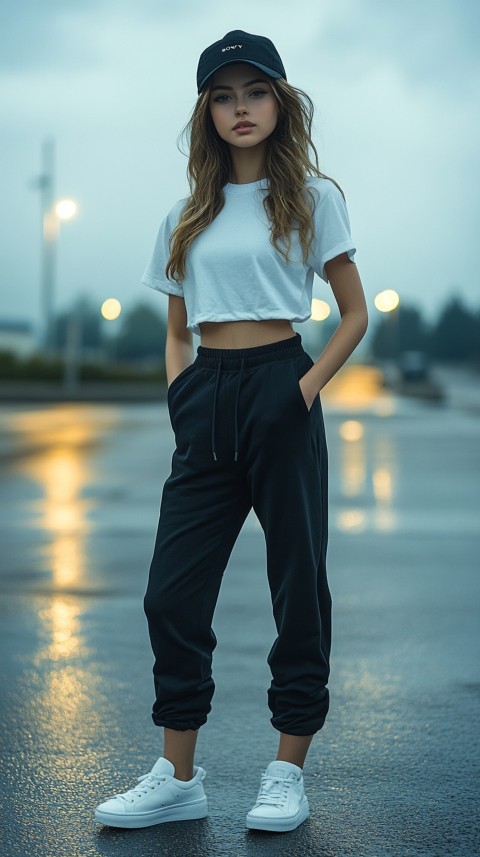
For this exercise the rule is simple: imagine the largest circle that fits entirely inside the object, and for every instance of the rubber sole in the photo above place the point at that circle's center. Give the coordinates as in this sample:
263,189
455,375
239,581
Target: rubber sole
279,825
182,812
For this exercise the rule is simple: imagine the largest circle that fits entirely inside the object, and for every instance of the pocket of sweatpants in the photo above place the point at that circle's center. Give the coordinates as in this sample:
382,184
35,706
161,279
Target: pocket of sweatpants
299,369
177,383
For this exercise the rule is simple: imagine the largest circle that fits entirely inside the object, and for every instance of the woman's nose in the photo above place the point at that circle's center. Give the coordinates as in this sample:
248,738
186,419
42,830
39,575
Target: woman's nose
240,107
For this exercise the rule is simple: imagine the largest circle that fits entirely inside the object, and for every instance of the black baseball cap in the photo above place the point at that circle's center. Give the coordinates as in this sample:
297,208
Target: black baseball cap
238,46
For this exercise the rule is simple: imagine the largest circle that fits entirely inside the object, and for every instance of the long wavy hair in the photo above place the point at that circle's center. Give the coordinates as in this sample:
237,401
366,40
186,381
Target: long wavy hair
288,160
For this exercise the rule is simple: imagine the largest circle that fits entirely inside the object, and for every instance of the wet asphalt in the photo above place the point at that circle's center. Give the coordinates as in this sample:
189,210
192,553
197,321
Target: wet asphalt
395,770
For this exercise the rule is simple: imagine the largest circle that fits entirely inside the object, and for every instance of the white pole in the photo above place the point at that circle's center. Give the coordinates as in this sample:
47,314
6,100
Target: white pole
49,241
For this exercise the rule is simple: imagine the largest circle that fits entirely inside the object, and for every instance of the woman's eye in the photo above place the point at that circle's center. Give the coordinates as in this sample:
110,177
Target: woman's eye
255,93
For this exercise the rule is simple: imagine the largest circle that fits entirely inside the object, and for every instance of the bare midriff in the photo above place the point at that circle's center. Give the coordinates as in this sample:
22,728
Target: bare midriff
244,334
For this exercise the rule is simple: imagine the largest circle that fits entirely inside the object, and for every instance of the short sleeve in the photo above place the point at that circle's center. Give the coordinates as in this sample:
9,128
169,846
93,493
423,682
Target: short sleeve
154,275
331,225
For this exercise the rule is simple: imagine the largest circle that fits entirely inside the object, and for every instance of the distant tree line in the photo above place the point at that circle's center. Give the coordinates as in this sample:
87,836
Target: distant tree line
135,343
453,336
141,336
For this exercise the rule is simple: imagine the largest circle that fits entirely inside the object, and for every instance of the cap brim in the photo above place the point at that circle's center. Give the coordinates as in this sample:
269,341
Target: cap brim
264,68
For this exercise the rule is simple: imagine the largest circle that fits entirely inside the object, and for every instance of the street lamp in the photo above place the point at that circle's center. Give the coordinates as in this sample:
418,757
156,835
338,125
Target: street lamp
52,215
66,209
111,309
388,301
320,310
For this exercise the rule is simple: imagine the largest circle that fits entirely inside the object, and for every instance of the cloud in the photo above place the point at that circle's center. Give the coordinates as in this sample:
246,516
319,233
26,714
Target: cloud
42,35
434,42
53,35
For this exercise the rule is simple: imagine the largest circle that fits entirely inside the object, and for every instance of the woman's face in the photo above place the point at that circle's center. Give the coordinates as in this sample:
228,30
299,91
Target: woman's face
241,93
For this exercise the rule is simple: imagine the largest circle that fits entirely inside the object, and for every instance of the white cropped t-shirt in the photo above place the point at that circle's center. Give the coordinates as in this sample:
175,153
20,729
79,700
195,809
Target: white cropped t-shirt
233,271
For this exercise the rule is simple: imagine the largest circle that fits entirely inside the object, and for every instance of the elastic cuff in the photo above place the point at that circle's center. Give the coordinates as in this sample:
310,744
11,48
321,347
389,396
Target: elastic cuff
179,726
300,730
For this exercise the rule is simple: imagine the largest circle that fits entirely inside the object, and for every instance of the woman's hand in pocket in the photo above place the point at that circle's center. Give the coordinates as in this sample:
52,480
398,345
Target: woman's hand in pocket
309,393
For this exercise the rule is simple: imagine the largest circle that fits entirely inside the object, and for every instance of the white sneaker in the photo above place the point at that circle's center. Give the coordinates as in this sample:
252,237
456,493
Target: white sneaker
281,803
159,797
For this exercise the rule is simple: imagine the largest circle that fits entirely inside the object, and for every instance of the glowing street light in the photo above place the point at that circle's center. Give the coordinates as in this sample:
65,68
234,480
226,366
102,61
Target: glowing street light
387,300
66,209
320,310
111,309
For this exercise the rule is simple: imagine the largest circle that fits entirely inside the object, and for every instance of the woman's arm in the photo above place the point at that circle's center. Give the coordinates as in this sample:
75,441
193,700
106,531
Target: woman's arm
348,291
179,344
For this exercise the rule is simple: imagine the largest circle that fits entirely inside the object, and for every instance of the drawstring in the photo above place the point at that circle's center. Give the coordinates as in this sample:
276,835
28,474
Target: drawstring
290,348
236,403
219,368
215,407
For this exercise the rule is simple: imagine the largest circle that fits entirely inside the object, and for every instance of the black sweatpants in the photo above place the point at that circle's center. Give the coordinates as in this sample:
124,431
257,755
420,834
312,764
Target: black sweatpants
244,437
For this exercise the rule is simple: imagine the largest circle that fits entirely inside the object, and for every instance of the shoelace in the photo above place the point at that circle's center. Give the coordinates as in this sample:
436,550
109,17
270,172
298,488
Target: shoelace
150,781
273,791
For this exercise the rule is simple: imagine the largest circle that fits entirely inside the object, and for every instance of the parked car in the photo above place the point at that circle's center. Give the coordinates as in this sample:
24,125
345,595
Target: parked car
413,366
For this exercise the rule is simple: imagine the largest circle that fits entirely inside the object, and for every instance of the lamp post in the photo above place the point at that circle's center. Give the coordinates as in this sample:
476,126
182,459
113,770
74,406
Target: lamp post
52,215
110,310
388,301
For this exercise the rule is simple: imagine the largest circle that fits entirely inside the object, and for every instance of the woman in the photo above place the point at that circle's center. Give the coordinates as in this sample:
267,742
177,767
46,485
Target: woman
237,259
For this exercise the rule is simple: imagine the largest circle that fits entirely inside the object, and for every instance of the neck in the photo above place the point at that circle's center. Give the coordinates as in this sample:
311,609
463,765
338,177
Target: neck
247,164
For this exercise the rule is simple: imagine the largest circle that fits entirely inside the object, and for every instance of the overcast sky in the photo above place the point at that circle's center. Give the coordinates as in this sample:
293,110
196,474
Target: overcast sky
396,87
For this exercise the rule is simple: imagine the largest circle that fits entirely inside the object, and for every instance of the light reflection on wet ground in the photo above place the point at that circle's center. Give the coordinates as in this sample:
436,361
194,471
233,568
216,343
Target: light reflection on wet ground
391,773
